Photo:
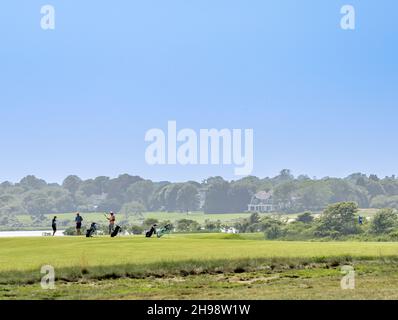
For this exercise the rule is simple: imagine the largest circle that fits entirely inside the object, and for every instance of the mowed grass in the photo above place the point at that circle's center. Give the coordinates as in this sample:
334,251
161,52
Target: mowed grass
194,266
23,254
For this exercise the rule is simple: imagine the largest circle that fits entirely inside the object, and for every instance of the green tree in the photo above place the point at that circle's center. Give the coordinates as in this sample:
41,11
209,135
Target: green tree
88,188
133,208
337,220
217,196
254,218
72,184
33,183
186,225
117,188
272,228
314,195
109,204
375,188
305,217
137,230
384,202
38,202
284,192
187,198
212,225
239,196
384,222
284,176
141,191
148,223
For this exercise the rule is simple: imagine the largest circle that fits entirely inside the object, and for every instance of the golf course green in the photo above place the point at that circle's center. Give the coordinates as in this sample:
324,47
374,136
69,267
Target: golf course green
204,265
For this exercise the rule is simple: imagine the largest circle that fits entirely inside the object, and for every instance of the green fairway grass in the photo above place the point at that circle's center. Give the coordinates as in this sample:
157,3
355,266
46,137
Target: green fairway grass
23,254
130,266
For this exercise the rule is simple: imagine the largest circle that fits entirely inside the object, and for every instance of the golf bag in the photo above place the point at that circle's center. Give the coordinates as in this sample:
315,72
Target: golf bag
151,232
92,230
116,232
165,230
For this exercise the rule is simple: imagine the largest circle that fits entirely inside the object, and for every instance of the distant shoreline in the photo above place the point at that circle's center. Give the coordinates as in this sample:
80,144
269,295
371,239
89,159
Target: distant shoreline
31,233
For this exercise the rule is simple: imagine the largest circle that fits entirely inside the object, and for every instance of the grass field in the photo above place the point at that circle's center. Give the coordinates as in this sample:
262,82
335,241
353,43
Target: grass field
202,266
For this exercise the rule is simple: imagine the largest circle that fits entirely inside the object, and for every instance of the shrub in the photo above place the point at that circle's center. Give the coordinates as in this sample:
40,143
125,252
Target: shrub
338,220
71,231
273,232
384,222
306,217
137,230
186,225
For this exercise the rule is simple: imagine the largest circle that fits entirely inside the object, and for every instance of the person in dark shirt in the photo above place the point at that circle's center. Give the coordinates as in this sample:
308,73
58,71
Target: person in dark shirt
78,221
54,225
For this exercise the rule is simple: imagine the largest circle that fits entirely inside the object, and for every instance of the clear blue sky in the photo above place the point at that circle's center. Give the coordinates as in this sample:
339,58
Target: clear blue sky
79,99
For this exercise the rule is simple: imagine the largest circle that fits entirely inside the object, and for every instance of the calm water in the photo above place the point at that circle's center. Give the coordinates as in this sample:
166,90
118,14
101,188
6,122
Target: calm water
13,234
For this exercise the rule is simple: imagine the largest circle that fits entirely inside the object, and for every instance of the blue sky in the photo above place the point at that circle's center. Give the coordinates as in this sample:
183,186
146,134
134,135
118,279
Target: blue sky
79,99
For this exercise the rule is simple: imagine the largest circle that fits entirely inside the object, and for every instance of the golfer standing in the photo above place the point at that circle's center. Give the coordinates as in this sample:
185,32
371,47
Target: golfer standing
54,225
78,221
112,221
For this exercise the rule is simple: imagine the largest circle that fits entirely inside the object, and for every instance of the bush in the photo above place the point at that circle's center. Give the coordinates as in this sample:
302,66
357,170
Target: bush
272,228
384,222
273,232
148,223
338,220
306,217
71,231
186,225
298,231
137,230
212,226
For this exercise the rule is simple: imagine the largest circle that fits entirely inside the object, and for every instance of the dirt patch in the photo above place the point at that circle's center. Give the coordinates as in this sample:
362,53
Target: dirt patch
248,281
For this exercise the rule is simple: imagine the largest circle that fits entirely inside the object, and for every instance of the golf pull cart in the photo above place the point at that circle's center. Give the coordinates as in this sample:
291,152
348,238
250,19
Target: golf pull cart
117,230
159,232
93,229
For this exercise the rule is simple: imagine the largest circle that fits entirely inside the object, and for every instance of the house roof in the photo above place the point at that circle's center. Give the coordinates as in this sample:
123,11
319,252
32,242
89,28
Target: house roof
263,195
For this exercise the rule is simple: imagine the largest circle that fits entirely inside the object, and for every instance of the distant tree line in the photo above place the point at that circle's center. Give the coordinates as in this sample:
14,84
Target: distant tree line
339,221
133,194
